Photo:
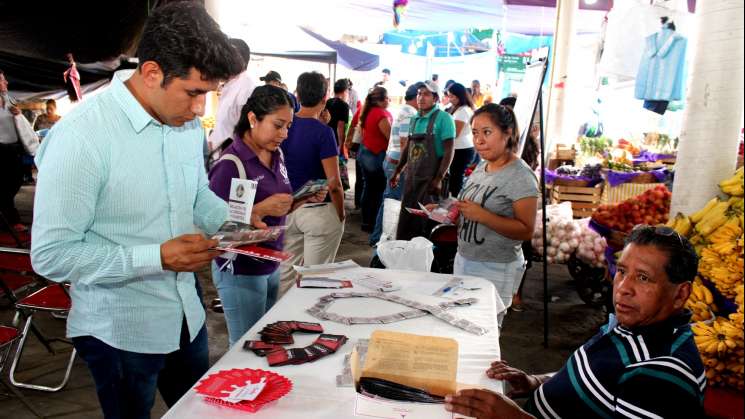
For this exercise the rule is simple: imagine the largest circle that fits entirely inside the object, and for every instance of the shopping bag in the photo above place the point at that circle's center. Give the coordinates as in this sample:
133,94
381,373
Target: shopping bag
26,134
391,211
410,255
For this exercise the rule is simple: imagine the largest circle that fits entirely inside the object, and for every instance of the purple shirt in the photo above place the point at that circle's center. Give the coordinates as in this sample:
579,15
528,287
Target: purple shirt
270,181
308,142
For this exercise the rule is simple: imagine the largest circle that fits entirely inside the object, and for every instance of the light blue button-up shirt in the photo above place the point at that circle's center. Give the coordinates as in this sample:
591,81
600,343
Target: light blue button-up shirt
113,185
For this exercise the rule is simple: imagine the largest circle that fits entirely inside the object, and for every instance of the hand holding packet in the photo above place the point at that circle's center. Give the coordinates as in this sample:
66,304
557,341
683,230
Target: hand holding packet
235,234
310,188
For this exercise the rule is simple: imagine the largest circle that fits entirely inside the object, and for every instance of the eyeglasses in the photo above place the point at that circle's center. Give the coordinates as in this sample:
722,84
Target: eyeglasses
664,231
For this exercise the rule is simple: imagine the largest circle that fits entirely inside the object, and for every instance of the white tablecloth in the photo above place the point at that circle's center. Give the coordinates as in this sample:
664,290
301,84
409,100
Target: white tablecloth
314,393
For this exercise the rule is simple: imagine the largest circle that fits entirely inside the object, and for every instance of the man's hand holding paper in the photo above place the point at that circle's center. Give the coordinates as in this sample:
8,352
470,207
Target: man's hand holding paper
187,253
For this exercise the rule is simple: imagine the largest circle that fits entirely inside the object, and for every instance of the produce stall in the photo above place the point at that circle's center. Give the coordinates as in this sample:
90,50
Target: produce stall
607,188
716,231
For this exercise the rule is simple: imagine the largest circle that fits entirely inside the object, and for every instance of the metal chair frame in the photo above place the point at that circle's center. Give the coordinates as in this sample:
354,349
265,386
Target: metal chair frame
5,349
21,343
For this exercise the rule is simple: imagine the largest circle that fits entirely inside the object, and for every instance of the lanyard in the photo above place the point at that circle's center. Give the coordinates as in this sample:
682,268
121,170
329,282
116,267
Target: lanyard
319,311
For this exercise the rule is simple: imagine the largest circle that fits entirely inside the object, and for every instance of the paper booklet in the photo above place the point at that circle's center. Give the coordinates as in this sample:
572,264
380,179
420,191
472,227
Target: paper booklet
235,234
427,364
325,268
257,252
445,213
322,282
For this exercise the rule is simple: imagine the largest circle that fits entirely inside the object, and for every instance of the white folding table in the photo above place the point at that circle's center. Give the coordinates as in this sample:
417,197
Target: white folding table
315,393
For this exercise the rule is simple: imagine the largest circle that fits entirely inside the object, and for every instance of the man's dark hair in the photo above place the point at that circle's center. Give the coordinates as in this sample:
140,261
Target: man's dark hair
311,88
341,86
387,71
264,100
411,91
180,36
682,260
509,101
435,77
243,49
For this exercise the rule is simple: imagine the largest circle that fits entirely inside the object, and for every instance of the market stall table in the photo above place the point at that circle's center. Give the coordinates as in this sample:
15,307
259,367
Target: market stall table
315,393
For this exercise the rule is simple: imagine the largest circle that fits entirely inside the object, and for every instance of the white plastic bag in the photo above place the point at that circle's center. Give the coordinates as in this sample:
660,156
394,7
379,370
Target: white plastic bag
391,211
412,255
26,134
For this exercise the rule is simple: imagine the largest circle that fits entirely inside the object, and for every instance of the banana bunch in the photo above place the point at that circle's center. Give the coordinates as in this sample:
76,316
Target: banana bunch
681,224
721,346
717,339
700,302
725,240
726,272
698,215
721,256
734,185
713,218
737,205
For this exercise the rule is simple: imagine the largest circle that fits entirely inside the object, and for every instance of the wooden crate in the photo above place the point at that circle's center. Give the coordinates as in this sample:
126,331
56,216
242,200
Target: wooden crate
584,199
564,152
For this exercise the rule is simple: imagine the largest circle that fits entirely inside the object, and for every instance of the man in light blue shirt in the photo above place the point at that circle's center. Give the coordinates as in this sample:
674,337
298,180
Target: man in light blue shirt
120,197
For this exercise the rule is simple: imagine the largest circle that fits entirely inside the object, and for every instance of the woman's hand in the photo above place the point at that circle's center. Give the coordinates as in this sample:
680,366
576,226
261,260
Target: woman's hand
276,205
470,210
319,196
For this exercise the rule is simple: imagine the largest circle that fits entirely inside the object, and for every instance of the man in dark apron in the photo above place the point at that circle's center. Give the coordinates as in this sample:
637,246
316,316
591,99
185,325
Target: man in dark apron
426,158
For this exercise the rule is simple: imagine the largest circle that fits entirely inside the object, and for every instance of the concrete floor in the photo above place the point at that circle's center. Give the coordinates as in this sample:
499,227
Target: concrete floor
571,323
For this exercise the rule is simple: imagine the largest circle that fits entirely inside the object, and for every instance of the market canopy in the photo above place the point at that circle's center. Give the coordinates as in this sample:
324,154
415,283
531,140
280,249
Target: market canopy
282,41
347,56
376,16
36,36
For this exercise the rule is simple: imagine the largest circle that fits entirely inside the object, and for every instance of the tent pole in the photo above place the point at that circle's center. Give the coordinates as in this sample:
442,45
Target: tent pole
543,218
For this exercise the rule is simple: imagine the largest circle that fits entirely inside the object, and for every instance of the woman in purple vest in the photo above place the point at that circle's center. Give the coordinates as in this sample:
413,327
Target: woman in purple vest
248,287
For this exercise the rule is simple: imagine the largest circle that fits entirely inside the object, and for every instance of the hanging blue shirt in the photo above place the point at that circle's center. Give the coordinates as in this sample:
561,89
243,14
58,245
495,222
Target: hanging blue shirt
661,74
113,185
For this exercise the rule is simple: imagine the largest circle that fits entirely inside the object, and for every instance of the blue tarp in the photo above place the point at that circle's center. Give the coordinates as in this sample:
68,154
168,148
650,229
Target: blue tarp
462,42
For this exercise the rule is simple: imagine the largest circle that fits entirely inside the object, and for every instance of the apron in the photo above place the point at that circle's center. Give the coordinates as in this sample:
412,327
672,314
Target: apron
421,166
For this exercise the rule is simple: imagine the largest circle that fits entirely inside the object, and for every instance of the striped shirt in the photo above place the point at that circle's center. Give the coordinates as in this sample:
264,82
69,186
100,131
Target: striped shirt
648,372
113,185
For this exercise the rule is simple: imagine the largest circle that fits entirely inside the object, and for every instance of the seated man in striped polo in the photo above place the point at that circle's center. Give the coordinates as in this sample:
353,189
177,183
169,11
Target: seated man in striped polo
642,364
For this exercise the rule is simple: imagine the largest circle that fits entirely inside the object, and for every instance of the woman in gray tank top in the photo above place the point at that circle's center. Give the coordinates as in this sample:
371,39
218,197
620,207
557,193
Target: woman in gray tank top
497,205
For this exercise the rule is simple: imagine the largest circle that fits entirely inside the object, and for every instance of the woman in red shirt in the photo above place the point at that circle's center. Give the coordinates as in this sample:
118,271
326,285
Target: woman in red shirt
375,121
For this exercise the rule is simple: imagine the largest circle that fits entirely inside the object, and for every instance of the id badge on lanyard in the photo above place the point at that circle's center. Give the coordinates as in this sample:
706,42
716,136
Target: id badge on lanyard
241,201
